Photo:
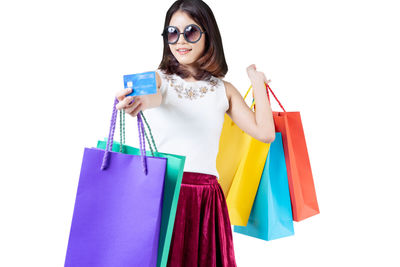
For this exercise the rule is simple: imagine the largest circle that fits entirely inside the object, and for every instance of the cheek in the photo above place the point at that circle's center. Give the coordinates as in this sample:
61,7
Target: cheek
171,49
199,52
200,47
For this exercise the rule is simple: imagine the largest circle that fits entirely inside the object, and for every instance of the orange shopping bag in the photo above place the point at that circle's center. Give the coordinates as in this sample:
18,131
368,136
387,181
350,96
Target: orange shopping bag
301,183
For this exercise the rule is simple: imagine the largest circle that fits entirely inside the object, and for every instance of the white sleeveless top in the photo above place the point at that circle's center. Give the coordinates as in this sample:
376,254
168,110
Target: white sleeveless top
189,120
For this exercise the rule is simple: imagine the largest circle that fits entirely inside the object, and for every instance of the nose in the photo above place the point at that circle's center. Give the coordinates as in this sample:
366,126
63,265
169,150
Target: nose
181,38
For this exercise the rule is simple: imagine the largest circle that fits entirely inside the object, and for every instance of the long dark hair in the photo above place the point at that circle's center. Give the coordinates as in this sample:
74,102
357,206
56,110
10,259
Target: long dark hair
212,61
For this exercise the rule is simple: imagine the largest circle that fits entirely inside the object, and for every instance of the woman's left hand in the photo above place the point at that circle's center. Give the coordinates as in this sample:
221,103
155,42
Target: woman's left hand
255,75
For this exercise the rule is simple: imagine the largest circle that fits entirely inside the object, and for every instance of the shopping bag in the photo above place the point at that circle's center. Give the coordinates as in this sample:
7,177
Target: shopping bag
232,148
271,214
172,185
301,183
117,213
240,162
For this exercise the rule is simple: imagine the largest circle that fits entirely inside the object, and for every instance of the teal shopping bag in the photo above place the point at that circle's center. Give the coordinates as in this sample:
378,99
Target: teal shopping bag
172,186
271,214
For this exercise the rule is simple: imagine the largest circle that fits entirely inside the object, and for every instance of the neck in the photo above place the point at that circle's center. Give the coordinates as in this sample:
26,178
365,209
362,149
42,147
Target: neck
192,68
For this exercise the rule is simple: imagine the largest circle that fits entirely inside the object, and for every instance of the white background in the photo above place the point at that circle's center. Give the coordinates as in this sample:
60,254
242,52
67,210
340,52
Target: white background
337,62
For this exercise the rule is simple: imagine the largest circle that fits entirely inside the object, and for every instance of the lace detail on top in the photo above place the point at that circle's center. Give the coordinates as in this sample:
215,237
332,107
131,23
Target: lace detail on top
185,89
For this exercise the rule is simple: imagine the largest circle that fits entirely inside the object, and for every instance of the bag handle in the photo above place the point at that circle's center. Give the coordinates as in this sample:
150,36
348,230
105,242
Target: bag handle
268,88
151,135
122,132
142,143
110,139
244,98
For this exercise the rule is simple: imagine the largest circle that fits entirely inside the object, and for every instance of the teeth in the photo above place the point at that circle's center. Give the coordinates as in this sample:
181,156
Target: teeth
183,50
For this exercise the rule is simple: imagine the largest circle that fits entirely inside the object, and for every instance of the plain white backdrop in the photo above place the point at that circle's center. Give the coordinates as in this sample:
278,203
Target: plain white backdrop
337,62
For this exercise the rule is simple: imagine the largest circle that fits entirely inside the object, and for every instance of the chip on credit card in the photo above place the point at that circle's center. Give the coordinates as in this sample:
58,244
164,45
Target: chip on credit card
141,83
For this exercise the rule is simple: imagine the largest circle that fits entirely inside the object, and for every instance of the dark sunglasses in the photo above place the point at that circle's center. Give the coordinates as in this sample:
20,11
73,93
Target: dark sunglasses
192,34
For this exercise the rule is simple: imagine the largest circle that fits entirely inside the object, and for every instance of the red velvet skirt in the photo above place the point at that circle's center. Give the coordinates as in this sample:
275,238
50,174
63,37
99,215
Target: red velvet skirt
202,234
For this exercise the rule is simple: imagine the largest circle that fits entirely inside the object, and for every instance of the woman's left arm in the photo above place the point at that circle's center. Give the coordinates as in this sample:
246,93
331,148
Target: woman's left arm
258,124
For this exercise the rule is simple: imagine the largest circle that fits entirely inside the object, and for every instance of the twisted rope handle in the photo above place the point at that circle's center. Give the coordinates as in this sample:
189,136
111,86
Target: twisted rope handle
142,142
122,131
149,129
106,156
110,140
148,141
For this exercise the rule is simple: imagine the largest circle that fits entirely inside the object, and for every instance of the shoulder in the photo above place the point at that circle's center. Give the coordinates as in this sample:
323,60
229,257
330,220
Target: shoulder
158,78
230,89
161,76
159,73
161,80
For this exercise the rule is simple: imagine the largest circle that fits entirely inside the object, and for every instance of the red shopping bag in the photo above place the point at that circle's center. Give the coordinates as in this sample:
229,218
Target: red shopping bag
301,184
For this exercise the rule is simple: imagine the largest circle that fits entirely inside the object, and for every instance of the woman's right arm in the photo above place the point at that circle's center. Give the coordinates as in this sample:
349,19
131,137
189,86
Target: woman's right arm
134,104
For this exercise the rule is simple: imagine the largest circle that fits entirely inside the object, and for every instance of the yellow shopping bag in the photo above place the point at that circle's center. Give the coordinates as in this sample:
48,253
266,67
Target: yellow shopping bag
240,163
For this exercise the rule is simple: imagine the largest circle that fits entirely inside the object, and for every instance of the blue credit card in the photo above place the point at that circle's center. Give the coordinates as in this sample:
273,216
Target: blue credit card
141,83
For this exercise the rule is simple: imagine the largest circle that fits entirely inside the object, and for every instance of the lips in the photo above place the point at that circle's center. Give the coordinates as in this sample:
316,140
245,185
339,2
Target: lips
184,52
183,49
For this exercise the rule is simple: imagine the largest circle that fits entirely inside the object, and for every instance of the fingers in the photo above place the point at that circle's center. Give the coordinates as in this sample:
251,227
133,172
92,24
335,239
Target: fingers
251,70
132,106
135,109
126,102
265,78
120,95
251,67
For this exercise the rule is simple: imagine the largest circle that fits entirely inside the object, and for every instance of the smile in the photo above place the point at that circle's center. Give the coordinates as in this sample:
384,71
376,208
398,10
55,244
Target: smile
182,52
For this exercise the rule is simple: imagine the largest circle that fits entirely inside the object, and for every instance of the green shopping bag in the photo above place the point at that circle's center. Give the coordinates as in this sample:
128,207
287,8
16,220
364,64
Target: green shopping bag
172,184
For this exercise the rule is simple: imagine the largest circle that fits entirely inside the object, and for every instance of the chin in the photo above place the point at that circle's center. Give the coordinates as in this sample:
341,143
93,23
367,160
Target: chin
185,61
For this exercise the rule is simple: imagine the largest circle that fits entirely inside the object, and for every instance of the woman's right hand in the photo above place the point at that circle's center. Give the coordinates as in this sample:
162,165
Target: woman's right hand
131,104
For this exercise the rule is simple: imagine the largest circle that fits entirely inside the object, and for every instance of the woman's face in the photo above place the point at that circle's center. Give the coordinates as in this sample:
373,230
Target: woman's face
180,20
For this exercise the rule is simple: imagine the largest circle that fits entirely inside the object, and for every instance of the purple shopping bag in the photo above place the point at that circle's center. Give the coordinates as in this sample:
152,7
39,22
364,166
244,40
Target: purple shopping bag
117,213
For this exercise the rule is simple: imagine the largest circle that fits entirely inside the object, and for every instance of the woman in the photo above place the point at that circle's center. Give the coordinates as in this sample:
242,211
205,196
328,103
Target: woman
186,115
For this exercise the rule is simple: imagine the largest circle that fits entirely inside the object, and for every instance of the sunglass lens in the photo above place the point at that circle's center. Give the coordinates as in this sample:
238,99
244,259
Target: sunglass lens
172,35
192,33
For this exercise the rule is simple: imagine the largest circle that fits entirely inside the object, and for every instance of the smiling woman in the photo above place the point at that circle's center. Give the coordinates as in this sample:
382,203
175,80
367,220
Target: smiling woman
186,115
189,122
